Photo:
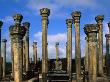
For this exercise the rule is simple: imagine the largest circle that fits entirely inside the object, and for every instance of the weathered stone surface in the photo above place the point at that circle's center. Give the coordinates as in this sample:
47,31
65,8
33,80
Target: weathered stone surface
4,56
35,52
99,19
76,17
17,33
44,12
26,45
107,62
69,23
91,31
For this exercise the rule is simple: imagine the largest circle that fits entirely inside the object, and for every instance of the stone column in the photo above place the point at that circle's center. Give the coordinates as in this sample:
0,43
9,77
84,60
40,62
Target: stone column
47,59
12,58
35,52
1,23
24,58
44,12
99,19
86,55
17,33
108,54
26,44
76,17
30,60
69,23
57,52
66,50
91,31
4,56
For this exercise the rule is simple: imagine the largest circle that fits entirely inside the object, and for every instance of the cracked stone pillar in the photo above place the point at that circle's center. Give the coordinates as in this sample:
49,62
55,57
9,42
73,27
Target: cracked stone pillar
26,44
76,17
17,33
1,23
91,31
69,23
44,12
99,19
35,52
4,56
86,55
108,51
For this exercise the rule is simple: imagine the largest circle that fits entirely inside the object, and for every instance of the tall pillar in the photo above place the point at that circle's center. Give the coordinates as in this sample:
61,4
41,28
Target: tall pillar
24,58
17,33
44,12
86,54
76,17
91,31
69,23
47,59
66,50
99,19
35,52
1,23
4,56
26,44
57,52
107,62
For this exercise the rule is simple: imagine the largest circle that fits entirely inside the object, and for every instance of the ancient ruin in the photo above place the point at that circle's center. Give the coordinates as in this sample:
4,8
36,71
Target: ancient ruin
93,67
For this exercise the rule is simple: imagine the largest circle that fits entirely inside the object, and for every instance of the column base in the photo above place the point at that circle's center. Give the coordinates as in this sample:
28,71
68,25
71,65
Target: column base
1,61
44,77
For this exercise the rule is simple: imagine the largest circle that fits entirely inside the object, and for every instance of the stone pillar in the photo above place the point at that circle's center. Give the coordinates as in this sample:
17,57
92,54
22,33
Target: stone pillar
4,56
24,58
1,23
99,19
44,12
47,59
108,54
57,52
35,52
86,55
26,44
30,60
91,31
17,33
66,50
12,58
76,17
69,23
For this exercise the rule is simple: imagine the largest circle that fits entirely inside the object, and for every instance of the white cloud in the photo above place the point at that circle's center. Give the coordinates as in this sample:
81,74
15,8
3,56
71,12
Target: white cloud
57,6
7,19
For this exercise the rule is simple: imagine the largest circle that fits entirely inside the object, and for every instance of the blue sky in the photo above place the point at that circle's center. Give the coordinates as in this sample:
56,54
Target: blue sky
60,10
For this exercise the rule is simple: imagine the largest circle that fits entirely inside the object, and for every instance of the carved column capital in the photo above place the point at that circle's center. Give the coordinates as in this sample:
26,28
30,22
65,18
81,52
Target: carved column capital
17,31
69,22
45,12
17,18
99,18
34,43
91,31
57,43
107,36
76,16
26,25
